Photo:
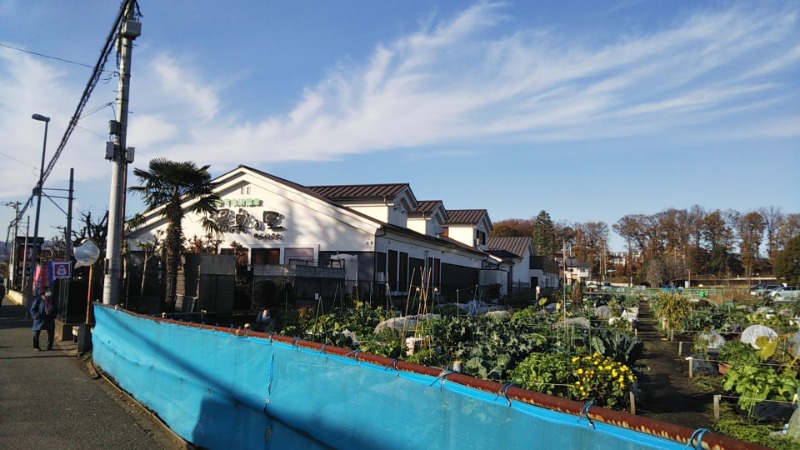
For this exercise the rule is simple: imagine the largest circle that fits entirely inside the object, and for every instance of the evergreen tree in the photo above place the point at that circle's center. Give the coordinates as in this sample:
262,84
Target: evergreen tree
787,262
544,237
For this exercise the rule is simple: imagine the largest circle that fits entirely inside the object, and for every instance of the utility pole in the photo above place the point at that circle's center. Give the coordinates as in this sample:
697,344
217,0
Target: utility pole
117,152
68,232
13,256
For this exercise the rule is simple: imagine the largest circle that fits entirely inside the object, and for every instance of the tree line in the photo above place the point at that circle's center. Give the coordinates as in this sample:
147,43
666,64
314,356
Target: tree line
670,245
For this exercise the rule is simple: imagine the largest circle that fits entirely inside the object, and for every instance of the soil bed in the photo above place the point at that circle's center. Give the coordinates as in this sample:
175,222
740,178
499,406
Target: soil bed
667,392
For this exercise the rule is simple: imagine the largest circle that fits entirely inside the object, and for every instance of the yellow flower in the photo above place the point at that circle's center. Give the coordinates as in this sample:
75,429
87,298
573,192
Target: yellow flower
596,363
614,372
575,359
608,367
577,383
580,371
621,379
582,389
630,377
623,368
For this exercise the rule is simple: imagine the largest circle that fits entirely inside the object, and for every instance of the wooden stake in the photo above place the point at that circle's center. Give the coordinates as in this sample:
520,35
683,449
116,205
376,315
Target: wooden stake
716,407
691,369
633,402
680,348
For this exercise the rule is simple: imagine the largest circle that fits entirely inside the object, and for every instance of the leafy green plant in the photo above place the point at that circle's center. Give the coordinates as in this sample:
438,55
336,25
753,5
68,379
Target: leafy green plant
620,347
427,357
544,372
755,384
756,434
737,353
388,342
671,308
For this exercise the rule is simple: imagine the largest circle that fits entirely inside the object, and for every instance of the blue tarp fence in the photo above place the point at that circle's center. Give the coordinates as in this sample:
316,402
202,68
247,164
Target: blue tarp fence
224,388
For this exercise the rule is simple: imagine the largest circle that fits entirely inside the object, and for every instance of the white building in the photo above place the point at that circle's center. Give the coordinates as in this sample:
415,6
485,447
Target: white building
395,241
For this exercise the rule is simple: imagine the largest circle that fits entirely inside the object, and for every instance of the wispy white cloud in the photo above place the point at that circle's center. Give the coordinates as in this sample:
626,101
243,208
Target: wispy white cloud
451,83
457,81
46,90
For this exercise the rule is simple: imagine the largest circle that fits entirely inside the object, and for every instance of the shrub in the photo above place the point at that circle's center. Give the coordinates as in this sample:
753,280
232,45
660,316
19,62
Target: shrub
584,378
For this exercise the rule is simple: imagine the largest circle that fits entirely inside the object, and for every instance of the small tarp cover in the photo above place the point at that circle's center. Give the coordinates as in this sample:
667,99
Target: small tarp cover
714,339
753,332
794,344
580,323
404,323
603,312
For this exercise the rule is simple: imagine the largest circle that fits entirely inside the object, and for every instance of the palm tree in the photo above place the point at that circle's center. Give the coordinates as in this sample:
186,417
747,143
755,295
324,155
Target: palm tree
173,186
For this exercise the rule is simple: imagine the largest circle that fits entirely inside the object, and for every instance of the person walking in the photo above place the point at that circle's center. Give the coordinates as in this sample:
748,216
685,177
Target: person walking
44,313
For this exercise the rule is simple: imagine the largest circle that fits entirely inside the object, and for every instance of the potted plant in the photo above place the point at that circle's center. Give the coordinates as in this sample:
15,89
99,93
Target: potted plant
736,353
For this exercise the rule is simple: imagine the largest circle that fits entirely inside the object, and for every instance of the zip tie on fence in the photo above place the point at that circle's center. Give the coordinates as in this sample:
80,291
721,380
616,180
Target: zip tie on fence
323,352
504,391
442,376
585,412
392,364
354,353
698,434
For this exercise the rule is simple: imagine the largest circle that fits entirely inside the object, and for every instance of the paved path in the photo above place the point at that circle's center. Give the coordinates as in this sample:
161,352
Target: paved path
49,401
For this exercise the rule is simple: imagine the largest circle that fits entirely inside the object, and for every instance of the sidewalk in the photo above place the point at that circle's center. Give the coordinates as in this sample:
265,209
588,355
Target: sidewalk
49,400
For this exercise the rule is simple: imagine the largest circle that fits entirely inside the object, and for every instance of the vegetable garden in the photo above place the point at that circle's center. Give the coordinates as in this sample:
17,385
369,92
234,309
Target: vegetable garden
585,350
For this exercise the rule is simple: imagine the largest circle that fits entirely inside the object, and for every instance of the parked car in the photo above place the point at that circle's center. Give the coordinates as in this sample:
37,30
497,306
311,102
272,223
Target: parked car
785,294
754,290
765,289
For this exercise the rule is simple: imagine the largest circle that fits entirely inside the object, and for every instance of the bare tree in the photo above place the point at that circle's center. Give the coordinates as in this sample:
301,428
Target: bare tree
788,228
772,216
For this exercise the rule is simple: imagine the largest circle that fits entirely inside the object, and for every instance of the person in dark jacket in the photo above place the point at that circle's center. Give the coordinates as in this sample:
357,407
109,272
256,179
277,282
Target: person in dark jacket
44,312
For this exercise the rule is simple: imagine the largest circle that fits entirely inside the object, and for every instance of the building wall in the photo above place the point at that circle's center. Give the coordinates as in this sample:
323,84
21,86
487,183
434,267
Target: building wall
462,233
262,214
265,214
420,225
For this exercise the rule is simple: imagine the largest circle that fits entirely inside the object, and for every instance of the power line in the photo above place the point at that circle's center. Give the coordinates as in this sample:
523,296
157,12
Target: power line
17,160
45,56
87,92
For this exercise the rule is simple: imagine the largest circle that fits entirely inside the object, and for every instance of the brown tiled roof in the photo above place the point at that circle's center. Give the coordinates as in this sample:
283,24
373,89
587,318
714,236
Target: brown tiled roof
427,207
517,245
462,216
360,191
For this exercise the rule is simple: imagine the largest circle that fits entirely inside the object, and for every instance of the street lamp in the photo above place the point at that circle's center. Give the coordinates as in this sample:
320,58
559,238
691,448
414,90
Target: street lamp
38,193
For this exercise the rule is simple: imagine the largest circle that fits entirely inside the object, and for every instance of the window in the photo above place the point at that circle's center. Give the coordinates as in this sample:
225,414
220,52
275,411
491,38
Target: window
298,256
266,256
403,275
397,273
391,273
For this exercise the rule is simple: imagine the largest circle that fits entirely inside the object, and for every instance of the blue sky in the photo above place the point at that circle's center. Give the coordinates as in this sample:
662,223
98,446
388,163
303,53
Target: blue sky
589,110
